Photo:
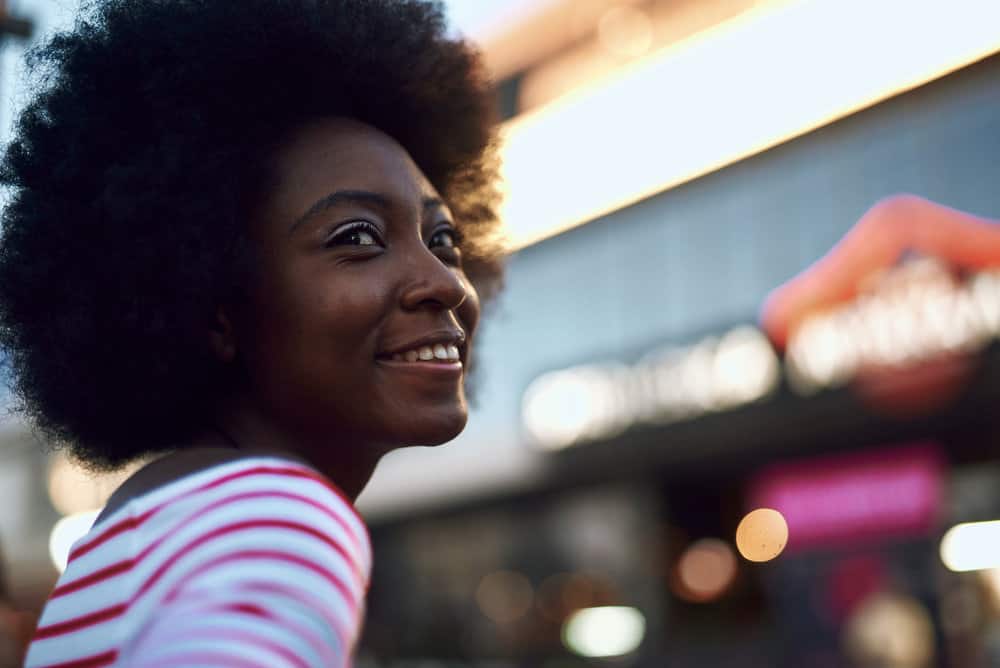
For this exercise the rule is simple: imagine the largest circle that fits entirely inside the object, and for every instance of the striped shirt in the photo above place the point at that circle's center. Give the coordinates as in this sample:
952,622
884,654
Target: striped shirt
260,563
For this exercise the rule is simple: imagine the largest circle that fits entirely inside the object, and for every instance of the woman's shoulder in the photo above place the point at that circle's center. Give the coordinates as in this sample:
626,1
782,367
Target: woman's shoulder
179,468
205,533
201,477
206,504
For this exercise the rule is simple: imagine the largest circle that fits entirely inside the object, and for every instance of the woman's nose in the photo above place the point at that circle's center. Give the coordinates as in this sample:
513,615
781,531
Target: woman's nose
433,284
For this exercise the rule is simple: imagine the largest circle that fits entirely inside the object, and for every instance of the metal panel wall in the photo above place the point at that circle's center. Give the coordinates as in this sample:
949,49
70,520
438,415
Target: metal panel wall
696,258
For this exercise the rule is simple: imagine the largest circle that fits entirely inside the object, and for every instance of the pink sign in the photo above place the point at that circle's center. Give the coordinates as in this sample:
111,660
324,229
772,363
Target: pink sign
855,497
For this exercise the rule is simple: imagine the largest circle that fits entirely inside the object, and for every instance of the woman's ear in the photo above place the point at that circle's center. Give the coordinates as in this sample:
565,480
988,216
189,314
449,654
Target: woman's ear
221,336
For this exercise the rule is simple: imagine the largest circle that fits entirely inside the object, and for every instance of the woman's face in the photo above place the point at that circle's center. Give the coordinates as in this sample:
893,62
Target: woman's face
360,280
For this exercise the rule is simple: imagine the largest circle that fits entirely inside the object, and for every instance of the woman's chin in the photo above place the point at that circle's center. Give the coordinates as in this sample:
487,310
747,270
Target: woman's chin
437,431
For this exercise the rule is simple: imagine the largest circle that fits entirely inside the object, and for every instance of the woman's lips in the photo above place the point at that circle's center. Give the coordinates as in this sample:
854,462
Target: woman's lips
443,344
434,368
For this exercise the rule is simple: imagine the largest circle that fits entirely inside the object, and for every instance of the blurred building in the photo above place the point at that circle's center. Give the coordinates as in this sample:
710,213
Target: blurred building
669,162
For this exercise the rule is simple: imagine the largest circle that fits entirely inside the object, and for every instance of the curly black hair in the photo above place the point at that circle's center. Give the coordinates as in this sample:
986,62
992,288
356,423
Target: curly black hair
133,169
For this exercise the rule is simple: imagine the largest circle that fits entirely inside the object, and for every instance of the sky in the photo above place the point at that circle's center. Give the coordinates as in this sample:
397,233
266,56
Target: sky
470,17
475,19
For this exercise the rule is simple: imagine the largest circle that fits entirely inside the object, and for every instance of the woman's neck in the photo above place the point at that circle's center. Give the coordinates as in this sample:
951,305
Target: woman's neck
347,461
245,422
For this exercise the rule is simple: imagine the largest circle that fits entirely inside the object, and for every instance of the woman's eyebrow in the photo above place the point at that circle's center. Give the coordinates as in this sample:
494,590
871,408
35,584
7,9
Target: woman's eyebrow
362,197
433,208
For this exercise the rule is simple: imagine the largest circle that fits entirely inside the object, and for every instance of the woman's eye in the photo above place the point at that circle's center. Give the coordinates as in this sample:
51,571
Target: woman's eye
445,238
358,234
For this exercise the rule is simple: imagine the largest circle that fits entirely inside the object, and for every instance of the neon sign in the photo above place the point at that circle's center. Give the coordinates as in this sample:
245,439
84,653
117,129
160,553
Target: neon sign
910,313
585,403
846,498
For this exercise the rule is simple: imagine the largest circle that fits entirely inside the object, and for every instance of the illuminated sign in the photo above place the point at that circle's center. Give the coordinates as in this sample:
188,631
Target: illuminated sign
894,228
859,310
846,498
585,403
909,313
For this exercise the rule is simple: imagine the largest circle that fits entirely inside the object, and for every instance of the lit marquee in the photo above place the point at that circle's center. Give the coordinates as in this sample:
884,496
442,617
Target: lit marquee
586,403
908,313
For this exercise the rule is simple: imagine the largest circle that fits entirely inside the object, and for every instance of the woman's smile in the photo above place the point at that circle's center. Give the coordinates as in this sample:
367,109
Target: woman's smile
441,346
436,357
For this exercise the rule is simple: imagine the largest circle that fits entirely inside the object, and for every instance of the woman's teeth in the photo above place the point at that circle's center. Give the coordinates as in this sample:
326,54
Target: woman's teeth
439,352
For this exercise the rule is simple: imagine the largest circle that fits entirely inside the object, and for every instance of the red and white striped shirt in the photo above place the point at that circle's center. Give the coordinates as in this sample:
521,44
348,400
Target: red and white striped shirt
260,562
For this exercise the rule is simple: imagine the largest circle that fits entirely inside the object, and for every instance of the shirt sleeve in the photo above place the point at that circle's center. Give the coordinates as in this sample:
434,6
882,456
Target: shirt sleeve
275,579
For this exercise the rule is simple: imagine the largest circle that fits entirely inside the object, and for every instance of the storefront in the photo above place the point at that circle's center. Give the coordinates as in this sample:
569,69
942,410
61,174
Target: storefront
654,416
645,521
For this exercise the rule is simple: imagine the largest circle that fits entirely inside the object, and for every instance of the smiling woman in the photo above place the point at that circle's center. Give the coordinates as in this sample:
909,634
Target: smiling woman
251,247
370,271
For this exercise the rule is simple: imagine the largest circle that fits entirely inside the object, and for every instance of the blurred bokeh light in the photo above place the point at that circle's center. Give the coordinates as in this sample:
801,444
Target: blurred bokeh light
66,532
972,546
891,630
505,596
705,570
604,632
762,535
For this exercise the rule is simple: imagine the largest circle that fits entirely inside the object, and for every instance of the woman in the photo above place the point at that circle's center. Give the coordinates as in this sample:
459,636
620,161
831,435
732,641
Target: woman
244,240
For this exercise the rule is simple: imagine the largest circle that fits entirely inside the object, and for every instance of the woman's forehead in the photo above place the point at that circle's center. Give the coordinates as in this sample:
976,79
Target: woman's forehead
340,153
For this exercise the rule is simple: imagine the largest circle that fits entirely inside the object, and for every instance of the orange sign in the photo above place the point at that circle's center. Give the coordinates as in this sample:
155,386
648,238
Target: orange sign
891,228
905,337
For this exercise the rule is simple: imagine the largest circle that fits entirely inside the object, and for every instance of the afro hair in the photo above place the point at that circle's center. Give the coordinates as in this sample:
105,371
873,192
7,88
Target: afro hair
134,166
